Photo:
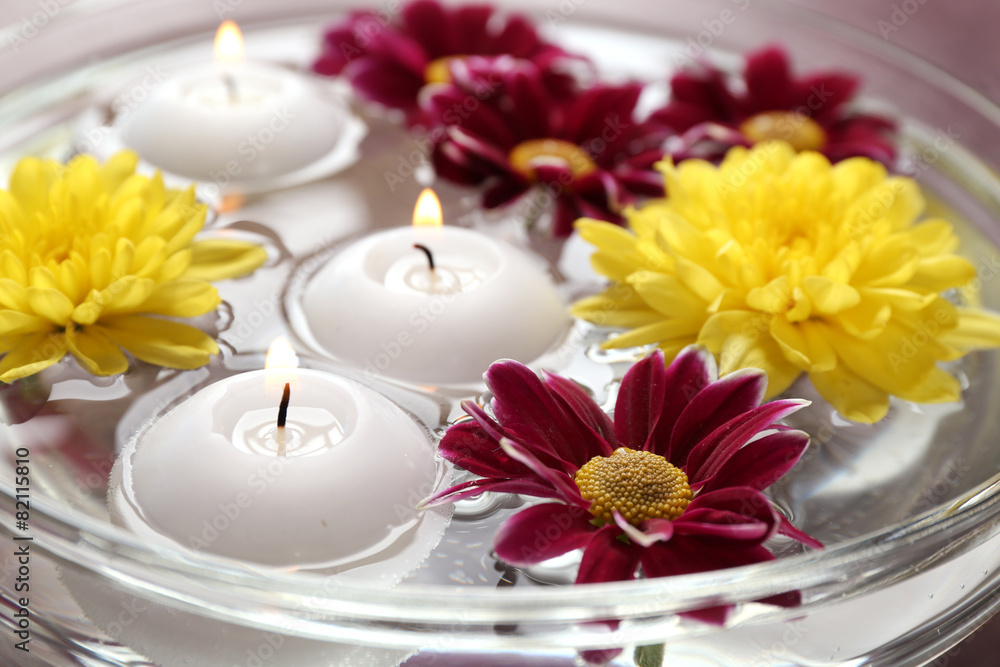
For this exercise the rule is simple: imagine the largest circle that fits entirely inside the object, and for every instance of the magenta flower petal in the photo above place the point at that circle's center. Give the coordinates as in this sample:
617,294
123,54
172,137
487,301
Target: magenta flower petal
706,96
541,532
607,558
788,530
581,404
495,434
708,456
468,445
560,482
714,406
427,30
429,24
708,511
689,373
640,400
471,489
769,81
579,147
760,463
523,404
381,81
502,193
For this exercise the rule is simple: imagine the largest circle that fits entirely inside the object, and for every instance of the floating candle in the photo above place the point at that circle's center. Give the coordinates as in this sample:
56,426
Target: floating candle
234,122
432,304
335,485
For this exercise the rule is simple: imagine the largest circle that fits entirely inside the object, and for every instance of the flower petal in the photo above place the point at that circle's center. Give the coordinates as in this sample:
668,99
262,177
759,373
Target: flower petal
476,487
559,481
715,405
708,456
640,400
219,259
607,558
160,342
760,463
590,413
95,351
31,354
688,374
523,404
541,532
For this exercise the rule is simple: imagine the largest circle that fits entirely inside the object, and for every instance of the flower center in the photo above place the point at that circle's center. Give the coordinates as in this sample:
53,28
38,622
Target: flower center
528,155
439,69
640,485
802,132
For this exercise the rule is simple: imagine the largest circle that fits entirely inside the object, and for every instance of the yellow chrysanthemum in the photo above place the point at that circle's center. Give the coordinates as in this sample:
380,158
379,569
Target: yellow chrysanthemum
90,254
781,261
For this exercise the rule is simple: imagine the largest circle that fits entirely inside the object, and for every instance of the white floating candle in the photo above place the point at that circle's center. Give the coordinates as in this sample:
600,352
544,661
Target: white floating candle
234,122
336,485
381,306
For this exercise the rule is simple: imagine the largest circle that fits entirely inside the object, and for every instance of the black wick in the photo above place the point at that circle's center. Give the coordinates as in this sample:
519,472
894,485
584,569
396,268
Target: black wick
426,251
283,408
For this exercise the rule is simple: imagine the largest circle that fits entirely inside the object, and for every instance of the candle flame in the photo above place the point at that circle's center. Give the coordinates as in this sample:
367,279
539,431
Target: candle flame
427,212
281,363
229,44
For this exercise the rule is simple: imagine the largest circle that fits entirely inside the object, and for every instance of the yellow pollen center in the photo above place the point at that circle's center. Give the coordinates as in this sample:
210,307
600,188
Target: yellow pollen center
640,485
439,69
802,132
527,156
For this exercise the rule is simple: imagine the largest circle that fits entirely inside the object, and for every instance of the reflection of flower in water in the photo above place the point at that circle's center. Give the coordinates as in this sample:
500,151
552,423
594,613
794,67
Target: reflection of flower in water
96,261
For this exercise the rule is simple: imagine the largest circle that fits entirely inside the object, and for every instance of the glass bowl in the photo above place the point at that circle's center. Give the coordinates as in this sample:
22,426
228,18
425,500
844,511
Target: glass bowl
909,508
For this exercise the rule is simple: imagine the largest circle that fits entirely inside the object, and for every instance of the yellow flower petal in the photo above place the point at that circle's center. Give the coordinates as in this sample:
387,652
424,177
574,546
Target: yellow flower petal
616,255
976,330
32,354
14,322
619,306
182,298
160,342
95,351
850,395
50,304
828,297
220,259
783,261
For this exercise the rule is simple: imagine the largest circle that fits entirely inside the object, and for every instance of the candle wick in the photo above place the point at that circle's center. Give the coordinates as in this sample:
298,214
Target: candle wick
426,251
283,417
286,395
230,82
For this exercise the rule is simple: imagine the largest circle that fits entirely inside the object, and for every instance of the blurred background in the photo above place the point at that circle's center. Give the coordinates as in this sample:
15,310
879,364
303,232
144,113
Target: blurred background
959,36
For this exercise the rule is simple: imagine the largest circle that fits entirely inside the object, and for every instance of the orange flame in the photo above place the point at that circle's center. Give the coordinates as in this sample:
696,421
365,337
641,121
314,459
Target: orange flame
427,212
229,44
